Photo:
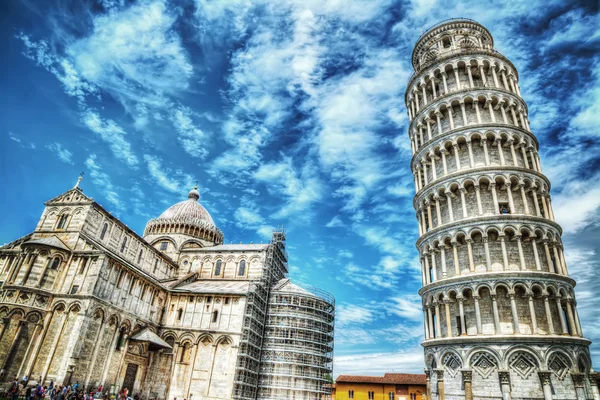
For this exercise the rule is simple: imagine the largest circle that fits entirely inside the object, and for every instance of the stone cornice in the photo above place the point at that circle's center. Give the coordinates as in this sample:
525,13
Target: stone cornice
474,91
469,173
472,129
506,339
473,222
466,280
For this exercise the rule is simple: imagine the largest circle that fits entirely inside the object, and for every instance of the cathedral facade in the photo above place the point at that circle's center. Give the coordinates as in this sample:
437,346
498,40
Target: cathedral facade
499,305
172,313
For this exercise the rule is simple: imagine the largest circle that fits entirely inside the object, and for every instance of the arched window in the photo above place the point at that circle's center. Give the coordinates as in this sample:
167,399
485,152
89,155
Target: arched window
446,42
62,222
171,342
123,244
185,353
179,314
132,286
164,245
242,268
104,229
55,263
155,266
120,279
215,316
218,268
391,395
140,256
120,339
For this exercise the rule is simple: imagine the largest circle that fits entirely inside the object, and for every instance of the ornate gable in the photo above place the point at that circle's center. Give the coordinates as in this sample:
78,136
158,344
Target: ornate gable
73,196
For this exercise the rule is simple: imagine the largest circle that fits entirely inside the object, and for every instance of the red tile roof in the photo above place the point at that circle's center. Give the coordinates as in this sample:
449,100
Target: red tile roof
390,379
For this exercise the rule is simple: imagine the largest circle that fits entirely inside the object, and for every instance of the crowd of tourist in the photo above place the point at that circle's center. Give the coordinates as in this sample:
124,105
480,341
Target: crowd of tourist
23,389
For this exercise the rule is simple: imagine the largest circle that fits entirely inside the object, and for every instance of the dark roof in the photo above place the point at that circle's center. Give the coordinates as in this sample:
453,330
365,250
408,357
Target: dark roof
391,379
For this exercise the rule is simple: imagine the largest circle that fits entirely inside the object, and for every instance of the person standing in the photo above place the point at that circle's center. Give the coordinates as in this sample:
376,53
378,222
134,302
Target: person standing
39,390
14,389
28,393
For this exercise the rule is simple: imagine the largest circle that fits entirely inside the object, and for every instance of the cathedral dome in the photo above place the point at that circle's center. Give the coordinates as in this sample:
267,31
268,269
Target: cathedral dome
188,218
188,210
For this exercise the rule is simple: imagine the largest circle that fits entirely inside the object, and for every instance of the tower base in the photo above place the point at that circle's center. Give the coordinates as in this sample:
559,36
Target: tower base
510,368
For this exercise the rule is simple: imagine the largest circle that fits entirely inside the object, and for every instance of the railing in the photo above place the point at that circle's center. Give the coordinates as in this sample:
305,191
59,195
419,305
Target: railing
448,20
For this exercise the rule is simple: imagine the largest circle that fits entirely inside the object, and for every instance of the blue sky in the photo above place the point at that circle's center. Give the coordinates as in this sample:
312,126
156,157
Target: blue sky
287,113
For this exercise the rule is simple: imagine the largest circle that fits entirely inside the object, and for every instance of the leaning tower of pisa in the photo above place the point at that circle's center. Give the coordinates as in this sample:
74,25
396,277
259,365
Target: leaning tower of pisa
500,312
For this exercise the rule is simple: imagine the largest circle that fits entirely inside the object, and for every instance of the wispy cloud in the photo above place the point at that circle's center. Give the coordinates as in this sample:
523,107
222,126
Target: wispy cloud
247,216
63,154
300,189
172,180
192,139
12,136
103,182
110,132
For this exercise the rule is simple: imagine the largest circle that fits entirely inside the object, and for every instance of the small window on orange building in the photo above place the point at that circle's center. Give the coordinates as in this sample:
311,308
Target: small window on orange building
350,394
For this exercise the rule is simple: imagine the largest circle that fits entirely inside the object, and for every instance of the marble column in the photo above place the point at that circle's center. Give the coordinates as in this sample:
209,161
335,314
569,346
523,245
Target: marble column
548,314
504,377
467,376
497,329
515,314
440,383
579,383
546,384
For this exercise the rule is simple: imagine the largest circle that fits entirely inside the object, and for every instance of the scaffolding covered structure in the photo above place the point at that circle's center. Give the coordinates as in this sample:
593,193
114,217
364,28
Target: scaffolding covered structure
253,330
297,357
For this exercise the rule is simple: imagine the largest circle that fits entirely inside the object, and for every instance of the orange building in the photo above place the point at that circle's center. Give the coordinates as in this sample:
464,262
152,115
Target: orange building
386,387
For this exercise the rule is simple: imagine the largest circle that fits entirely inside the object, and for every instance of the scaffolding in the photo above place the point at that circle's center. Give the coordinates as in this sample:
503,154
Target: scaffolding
297,357
253,330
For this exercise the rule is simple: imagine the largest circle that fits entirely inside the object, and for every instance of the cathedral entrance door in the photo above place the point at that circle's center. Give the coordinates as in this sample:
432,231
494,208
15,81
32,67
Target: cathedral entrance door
129,380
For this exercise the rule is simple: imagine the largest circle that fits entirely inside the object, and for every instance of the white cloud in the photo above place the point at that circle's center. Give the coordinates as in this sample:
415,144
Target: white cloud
577,202
248,216
408,306
352,314
63,154
336,222
110,132
103,182
62,68
378,363
355,336
175,181
134,51
345,254
12,136
571,27
192,139
301,189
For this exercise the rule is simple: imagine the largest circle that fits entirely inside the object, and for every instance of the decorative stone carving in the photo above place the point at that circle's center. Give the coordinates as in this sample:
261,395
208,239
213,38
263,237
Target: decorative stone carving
559,365
523,364
452,364
578,379
467,375
504,377
483,364
545,377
